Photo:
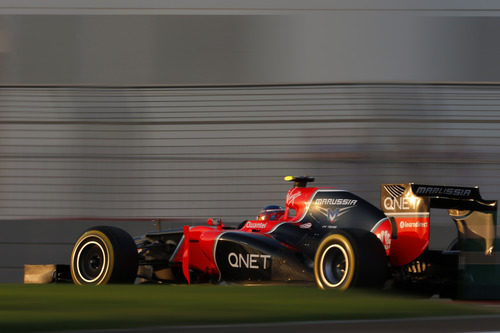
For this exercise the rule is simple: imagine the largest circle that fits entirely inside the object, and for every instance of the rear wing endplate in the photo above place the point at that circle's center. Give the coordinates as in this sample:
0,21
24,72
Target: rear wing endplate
475,217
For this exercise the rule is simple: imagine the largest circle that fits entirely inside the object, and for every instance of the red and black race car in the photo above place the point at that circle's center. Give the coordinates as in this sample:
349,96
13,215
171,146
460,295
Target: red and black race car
324,235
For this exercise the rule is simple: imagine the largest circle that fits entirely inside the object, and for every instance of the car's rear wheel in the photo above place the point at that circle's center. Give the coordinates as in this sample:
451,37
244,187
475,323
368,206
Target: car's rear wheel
104,255
350,258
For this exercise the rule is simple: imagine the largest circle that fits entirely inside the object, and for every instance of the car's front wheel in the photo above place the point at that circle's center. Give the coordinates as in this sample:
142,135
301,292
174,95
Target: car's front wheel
104,255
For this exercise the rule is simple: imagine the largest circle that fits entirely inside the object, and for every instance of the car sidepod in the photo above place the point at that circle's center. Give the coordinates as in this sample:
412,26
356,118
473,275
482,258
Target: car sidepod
255,257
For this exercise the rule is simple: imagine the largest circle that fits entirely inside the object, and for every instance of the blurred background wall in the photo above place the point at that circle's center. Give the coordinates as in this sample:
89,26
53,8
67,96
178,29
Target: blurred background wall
196,109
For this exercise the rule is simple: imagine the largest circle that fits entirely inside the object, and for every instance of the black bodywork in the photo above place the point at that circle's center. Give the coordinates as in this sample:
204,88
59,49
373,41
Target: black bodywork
390,243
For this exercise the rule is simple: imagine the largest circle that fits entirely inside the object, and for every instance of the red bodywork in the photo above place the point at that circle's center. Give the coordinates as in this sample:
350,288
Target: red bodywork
402,245
412,239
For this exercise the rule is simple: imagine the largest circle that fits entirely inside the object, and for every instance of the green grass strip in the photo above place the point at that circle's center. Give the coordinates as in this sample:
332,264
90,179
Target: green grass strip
27,308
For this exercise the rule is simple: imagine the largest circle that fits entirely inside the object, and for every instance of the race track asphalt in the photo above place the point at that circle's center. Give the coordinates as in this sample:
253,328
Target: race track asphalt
488,323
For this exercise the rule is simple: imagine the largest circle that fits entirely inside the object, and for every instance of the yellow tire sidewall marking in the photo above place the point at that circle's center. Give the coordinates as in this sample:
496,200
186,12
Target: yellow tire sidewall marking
109,252
318,260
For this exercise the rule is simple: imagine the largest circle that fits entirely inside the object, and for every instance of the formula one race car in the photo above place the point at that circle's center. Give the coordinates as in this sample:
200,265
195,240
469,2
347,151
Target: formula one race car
323,235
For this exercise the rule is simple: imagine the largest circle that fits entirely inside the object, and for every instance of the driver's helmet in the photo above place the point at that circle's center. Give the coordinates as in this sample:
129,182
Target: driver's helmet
271,213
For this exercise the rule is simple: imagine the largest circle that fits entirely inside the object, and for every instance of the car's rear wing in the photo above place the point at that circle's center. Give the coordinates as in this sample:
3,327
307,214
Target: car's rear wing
475,217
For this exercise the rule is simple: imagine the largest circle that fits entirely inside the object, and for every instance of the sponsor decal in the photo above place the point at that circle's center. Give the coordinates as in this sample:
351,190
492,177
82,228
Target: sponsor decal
256,225
402,203
329,227
385,238
332,215
383,231
405,224
440,190
307,225
290,199
335,202
249,261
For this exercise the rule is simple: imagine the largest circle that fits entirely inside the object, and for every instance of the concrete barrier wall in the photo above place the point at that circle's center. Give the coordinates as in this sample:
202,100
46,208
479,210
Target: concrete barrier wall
222,152
198,109
335,45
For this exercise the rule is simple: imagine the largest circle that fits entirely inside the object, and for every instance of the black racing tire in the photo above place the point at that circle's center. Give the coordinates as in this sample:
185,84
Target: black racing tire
103,255
350,258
